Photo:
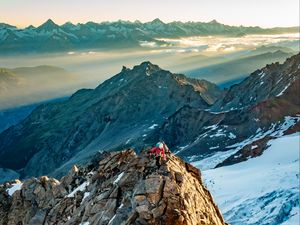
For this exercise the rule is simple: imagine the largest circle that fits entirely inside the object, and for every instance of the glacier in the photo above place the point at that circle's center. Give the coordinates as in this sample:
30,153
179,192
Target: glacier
262,190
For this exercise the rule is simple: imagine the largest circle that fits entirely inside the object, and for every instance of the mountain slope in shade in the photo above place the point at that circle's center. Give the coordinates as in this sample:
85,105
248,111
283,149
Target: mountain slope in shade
13,116
121,111
119,188
262,190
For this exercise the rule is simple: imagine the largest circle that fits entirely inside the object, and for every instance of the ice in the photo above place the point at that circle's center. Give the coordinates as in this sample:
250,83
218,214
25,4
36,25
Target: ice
14,188
261,190
81,187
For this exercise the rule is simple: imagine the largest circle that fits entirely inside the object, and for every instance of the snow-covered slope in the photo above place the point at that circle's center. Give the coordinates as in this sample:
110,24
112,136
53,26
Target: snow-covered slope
262,190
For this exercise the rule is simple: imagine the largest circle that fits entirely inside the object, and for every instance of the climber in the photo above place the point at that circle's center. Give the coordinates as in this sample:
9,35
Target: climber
159,152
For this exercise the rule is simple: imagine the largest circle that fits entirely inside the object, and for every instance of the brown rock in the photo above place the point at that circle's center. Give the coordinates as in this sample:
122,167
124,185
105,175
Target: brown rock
172,194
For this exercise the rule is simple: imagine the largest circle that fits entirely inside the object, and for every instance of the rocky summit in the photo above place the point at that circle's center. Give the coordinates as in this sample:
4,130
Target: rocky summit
115,188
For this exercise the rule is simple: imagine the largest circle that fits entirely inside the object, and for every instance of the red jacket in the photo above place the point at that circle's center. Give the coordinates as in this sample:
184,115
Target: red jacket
158,152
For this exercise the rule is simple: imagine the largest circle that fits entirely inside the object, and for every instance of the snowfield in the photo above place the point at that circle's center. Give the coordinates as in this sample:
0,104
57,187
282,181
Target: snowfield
262,190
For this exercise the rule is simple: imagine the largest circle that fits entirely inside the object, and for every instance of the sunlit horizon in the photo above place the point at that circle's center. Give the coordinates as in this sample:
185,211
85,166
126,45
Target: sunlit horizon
262,13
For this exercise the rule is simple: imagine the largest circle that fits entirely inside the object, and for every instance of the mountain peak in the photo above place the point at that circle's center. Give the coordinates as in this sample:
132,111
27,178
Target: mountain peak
147,68
49,25
116,188
30,27
214,22
157,20
50,22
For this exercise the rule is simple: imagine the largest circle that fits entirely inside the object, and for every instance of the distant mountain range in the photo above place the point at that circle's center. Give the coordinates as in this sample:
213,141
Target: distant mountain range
50,37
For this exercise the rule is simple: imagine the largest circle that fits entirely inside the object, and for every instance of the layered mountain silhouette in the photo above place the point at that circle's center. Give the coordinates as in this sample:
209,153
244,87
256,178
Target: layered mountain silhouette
118,188
139,106
50,37
24,85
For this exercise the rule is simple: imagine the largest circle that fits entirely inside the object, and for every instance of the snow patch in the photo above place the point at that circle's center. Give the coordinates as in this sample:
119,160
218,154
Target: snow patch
84,223
212,127
81,188
211,161
218,134
261,74
14,188
118,178
86,194
153,126
127,142
284,89
232,136
112,219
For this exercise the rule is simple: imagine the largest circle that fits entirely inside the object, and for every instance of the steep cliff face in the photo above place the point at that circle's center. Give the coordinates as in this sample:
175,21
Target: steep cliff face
116,188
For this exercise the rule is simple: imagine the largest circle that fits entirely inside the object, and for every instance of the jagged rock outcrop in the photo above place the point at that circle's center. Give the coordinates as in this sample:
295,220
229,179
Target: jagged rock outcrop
116,188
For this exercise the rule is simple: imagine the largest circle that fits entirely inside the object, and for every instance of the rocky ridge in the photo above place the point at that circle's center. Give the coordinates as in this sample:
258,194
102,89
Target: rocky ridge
116,188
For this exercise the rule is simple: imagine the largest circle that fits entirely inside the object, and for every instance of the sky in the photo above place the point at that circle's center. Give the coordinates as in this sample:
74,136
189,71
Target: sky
264,13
